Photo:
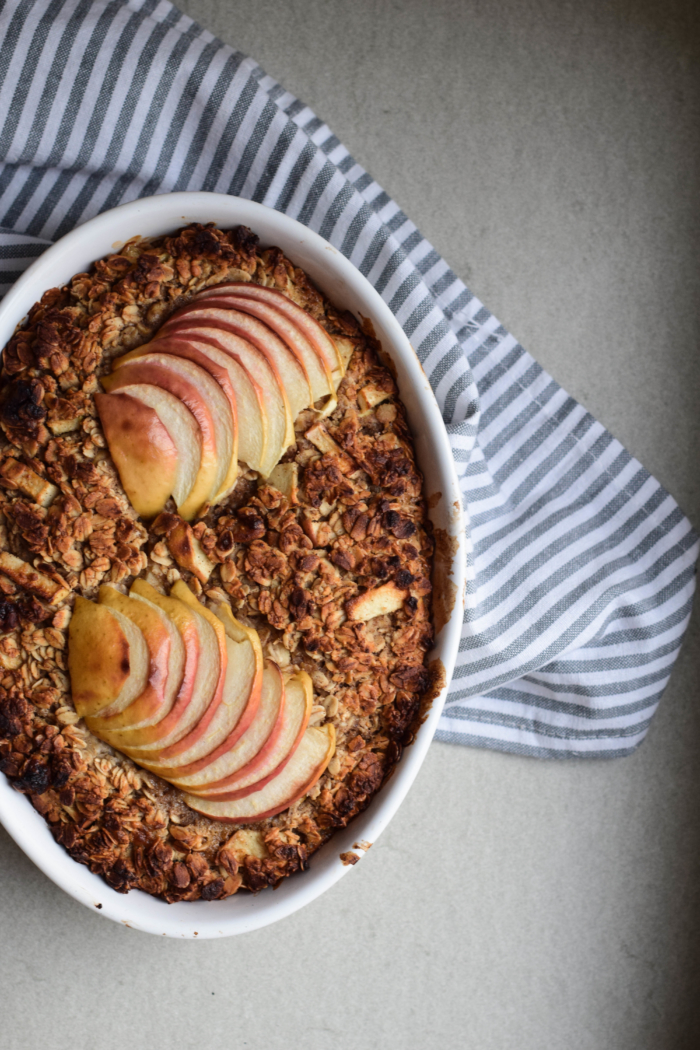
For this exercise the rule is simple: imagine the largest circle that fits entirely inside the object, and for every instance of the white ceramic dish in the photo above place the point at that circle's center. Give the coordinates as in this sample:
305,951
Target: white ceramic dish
346,287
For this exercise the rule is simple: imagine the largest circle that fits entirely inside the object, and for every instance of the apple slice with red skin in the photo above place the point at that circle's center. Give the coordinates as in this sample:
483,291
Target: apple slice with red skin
297,711
108,660
142,449
296,779
238,385
146,617
182,428
255,744
221,377
203,322
220,313
196,389
166,664
188,625
241,696
162,757
280,425
241,699
199,393
145,745
318,372
315,333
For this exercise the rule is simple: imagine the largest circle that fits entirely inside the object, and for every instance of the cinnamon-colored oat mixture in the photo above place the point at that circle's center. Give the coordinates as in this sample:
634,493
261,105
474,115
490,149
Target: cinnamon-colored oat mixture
335,575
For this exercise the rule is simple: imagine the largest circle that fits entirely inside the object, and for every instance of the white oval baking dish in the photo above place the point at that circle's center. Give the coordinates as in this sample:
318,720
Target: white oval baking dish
346,287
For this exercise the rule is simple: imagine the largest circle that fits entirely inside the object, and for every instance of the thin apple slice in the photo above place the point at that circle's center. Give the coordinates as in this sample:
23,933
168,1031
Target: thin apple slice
142,449
297,711
108,659
315,333
238,385
241,700
201,394
145,745
182,428
299,775
148,618
280,425
187,623
167,664
255,744
207,403
163,757
220,313
315,366
241,696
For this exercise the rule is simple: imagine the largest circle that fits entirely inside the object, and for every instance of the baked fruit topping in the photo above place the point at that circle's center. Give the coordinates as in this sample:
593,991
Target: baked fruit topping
226,703
245,362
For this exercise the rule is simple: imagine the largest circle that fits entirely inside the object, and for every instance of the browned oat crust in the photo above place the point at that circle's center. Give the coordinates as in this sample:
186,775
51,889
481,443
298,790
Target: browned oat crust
296,568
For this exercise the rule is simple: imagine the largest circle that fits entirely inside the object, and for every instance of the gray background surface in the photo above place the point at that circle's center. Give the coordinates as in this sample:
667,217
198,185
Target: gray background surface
550,151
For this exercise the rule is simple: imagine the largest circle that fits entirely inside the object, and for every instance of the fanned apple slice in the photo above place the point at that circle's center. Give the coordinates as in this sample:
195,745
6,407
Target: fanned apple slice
144,712
299,775
241,696
239,705
150,705
218,313
203,397
238,385
261,736
182,428
142,449
166,664
188,625
315,333
163,757
297,711
315,366
280,425
108,658
147,744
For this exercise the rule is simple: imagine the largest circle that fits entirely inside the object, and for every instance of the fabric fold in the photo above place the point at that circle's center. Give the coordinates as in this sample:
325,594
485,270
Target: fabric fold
580,566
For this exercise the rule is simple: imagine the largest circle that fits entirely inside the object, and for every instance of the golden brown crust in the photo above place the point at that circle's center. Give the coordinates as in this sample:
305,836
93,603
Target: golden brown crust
332,567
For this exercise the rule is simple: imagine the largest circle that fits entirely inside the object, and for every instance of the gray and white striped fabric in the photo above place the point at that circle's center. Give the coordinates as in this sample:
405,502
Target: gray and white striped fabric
580,566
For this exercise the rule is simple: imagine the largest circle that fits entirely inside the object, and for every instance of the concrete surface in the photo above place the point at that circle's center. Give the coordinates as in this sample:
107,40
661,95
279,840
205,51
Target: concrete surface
550,150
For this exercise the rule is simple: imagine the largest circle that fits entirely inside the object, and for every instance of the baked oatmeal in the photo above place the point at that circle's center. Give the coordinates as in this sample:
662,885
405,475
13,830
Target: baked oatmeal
328,559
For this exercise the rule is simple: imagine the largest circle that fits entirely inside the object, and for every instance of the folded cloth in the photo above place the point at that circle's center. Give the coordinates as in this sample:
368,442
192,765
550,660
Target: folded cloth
580,566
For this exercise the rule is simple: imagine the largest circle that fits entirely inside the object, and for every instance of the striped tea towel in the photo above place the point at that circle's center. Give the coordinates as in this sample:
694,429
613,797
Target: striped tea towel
580,566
